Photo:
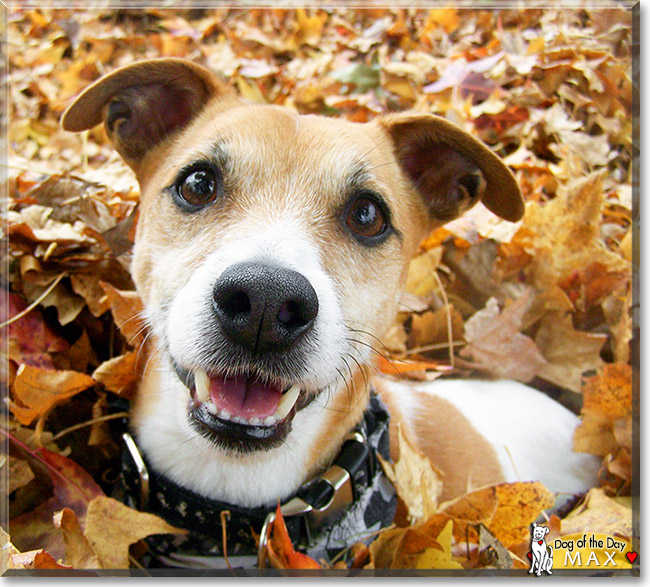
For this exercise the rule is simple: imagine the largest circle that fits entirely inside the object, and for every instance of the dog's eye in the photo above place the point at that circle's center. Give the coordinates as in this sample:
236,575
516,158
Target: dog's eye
198,188
366,218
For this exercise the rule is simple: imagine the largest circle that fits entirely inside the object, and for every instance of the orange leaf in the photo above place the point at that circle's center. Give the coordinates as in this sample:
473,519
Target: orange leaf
119,374
127,310
397,367
285,554
39,390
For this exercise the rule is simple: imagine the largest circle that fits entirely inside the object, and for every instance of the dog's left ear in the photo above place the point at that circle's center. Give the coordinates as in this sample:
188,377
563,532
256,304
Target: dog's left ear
450,169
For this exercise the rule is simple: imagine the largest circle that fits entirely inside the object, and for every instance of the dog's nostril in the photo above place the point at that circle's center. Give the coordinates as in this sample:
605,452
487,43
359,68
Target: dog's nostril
238,304
290,315
233,303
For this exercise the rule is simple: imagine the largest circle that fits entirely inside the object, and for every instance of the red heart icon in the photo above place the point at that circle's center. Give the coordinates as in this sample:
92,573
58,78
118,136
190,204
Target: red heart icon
631,556
530,555
540,542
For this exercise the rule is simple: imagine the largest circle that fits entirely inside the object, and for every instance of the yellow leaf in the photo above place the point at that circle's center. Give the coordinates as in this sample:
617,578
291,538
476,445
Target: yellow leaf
416,480
434,558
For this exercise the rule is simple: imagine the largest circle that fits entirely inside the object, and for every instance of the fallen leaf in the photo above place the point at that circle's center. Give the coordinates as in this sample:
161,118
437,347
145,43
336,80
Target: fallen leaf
280,550
606,414
491,552
37,391
31,340
568,352
78,552
20,473
416,480
119,374
128,313
496,343
73,488
111,527
599,513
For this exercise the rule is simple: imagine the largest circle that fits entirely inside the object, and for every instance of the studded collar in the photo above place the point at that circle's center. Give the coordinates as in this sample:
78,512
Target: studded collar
350,501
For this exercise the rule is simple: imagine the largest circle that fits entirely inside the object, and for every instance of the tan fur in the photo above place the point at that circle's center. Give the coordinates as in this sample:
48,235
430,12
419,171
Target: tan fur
435,431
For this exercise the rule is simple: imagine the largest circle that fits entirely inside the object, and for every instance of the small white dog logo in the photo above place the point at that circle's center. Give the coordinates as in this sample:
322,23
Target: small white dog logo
542,555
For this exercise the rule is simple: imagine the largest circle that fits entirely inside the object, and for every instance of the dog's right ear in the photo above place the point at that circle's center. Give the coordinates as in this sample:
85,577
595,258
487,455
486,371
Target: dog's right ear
145,103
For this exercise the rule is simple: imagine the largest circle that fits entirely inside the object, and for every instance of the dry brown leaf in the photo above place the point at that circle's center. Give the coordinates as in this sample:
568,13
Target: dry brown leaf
111,527
568,352
87,286
518,506
496,343
421,280
20,473
416,480
78,552
431,328
37,391
599,513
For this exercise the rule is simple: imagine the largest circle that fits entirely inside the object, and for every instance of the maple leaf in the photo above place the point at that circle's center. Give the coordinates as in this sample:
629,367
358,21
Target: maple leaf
127,310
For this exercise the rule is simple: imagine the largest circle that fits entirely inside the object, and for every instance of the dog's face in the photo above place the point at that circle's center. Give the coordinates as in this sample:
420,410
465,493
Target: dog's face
539,532
271,247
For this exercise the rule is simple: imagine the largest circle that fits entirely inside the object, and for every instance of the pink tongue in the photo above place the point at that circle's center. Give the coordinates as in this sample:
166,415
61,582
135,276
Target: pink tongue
244,397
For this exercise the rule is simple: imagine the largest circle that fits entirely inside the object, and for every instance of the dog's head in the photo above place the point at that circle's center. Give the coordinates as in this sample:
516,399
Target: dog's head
539,532
271,247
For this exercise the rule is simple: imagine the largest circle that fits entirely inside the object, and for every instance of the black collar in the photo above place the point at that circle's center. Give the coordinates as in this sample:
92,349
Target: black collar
351,500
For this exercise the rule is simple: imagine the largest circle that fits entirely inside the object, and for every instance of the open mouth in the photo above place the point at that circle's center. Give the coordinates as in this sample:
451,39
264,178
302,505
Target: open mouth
243,411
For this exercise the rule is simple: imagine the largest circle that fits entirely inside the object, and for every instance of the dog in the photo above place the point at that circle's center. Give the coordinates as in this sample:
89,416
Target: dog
270,253
542,558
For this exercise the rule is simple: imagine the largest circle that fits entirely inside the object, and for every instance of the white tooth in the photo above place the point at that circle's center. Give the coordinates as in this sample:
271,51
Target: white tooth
238,420
211,408
255,421
202,385
269,420
287,402
224,415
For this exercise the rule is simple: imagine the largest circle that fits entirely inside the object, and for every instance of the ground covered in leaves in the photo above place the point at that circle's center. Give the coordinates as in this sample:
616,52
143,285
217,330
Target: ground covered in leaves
546,301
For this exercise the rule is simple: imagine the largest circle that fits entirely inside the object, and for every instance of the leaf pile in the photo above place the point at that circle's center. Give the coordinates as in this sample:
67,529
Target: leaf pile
546,301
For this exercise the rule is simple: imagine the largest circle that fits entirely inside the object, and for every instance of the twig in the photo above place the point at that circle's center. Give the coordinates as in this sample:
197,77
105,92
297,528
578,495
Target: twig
35,303
225,516
89,423
450,332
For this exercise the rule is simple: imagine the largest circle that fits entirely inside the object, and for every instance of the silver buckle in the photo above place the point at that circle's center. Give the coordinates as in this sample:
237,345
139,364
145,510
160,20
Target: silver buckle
143,474
338,478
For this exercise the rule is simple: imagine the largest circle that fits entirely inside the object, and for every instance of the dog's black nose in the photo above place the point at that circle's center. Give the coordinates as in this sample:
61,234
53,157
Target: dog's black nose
264,308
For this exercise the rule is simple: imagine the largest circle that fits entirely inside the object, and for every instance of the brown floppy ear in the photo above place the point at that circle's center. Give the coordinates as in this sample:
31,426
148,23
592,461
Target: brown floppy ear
450,169
144,103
